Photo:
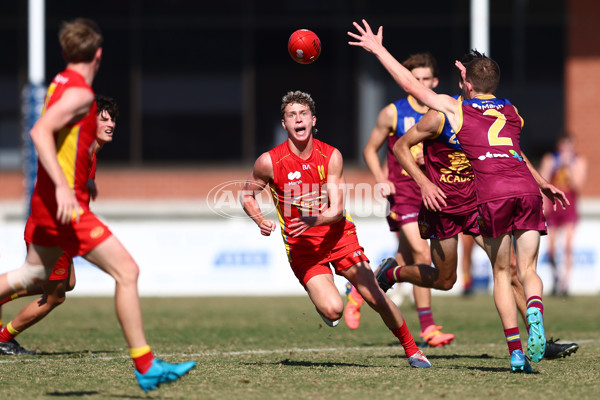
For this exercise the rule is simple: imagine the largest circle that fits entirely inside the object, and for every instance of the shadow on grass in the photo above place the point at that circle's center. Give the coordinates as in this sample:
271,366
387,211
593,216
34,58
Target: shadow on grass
81,353
93,393
483,356
292,363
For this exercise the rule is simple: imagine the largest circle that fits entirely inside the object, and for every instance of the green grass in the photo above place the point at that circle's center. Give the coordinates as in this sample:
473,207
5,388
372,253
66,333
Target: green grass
278,348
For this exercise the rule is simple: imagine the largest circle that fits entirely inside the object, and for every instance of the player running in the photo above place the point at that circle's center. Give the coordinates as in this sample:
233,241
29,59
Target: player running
305,177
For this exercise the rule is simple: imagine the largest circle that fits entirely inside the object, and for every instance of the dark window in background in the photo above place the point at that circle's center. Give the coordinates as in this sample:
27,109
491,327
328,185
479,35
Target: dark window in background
201,82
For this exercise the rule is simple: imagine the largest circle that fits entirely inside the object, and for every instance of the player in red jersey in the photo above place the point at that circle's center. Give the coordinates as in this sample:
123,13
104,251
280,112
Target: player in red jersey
306,179
567,170
62,277
60,219
509,202
393,122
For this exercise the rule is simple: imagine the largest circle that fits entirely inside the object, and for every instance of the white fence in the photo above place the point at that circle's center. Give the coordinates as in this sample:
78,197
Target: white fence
209,256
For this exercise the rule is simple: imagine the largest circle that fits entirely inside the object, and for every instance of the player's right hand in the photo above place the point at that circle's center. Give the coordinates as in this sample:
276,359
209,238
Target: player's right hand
434,198
67,206
266,227
386,188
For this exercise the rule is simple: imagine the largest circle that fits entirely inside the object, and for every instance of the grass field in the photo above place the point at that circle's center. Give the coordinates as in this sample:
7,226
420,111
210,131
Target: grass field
278,348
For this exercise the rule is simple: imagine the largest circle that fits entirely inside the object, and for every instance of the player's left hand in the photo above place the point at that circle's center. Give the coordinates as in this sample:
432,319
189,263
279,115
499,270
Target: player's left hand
554,194
301,225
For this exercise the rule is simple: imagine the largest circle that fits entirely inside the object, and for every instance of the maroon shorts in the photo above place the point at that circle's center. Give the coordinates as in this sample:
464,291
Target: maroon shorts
436,225
507,215
75,238
307,263
402,212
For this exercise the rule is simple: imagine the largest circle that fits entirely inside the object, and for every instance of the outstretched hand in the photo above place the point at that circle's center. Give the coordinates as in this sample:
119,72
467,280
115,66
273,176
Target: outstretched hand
366,38
555,195
462,69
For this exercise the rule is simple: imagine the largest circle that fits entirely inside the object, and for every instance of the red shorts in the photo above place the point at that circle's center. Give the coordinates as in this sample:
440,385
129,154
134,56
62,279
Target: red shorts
307,263
507,215
436,225
402,213
75,238
62,266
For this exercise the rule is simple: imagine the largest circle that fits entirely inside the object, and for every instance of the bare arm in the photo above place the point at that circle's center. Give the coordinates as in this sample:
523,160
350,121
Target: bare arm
374,44
426,128
576,169
378,137
336,197
256,183
74,104
549,190
578,173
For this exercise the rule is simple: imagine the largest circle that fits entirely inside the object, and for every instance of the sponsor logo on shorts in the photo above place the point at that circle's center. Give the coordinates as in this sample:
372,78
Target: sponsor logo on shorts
423,228
481,223
410,215
357,253
97,232
60,271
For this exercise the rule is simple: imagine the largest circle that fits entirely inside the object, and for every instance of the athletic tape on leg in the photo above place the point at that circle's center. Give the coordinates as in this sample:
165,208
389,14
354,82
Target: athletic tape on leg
27,276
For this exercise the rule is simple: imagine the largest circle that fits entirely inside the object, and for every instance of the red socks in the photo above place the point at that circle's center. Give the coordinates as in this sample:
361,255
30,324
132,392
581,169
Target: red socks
513,339
143,358
406,339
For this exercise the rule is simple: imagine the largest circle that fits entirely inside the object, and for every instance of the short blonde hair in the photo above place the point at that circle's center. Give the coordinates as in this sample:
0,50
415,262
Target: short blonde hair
79,40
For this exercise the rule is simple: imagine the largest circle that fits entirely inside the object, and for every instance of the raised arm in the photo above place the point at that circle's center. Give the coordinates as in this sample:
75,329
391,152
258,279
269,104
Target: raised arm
258,180
374,44
426,128
73,105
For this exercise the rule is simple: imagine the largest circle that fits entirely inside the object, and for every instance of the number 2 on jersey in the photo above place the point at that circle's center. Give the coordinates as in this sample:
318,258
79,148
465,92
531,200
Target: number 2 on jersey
494,131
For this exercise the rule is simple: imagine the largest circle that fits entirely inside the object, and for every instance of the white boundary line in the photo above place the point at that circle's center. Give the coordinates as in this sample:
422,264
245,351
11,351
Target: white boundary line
17,359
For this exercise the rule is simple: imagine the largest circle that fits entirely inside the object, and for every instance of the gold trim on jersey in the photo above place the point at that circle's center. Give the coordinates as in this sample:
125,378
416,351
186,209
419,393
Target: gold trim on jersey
416,106
66,151
440,128
281,221
460,116
395,122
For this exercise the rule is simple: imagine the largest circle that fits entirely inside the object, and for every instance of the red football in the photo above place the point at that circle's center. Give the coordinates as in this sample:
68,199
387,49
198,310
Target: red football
304,46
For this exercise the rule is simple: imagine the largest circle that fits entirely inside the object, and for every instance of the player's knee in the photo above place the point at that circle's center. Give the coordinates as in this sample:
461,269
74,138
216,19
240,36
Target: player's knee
56,300
332,312
126,273
27,276
446,283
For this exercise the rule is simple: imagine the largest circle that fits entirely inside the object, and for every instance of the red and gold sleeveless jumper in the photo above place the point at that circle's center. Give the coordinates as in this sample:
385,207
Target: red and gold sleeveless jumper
74,145
299,188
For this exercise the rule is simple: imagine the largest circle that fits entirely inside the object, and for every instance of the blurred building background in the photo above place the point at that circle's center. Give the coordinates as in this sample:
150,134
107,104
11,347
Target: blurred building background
199,86
200,83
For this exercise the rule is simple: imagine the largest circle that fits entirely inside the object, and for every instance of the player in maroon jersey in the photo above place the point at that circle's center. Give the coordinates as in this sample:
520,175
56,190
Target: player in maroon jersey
567,170
509,202
62,277
393,122
60,220
306,179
